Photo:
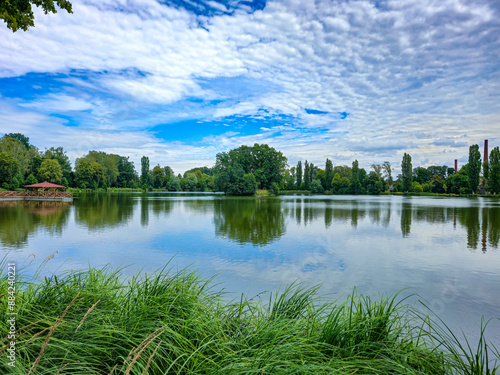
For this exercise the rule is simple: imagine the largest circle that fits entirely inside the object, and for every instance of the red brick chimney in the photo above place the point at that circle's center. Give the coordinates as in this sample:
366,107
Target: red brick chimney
485,150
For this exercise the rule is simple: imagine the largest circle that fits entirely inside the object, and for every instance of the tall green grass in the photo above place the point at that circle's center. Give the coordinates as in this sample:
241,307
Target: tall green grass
98,322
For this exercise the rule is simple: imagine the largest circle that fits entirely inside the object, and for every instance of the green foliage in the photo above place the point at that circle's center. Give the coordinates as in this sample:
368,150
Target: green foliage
20,137
307,176
93,322
174,184
494,171
299,174
343,171
87,172
31,180
340,185
23,156
126,172
145,177
60,155
417,188
275,189
8,167
374,183
64,182
474,168
14,184
406,173
19,14
204,170
355,184
437,184
51,171
191,182
457,182
157,177
317,187
328,174
235,170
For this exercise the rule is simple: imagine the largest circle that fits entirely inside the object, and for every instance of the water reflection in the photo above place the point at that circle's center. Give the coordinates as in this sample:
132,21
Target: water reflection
19,219
256,221
99,211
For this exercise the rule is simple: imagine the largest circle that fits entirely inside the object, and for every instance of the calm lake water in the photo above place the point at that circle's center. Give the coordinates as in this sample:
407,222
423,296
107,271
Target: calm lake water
444,249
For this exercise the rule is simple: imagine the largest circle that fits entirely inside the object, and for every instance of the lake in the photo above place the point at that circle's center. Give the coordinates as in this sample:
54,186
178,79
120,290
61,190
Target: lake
443,249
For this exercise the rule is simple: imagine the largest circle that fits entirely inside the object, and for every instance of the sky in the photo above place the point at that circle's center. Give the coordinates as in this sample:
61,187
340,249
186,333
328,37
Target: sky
182,80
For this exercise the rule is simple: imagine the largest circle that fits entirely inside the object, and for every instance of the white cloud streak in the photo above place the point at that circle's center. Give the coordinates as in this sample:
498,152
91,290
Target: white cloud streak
402,70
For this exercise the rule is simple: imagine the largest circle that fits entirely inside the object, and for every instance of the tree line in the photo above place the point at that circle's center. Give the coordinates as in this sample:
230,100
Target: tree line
240,171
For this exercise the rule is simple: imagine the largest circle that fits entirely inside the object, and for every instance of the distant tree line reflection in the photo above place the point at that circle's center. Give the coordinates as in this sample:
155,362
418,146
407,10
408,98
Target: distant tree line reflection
257,221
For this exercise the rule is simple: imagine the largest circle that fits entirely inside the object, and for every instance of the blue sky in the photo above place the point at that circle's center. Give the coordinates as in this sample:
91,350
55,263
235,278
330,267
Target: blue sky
182,80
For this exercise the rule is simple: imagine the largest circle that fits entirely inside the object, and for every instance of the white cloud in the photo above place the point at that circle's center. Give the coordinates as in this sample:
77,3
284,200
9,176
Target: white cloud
409,67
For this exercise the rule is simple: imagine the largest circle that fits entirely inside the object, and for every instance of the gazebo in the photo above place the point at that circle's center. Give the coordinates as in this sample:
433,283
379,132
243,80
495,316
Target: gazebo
46,190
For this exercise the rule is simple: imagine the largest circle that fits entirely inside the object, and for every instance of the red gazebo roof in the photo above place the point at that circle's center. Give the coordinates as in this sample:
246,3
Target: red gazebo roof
45,184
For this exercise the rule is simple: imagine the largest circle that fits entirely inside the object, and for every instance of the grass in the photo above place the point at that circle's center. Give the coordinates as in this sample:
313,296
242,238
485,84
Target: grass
98,322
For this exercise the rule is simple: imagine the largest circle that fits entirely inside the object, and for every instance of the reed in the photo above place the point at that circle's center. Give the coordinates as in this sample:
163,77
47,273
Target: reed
177,323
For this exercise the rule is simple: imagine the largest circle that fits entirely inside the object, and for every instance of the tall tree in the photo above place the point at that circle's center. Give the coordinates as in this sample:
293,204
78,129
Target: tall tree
355,185
19,15
328,174
307,175
145,171
494,171
474,167
299,175
406,173
388,173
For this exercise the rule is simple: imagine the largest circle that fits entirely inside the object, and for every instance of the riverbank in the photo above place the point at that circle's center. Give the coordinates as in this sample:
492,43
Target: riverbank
94,322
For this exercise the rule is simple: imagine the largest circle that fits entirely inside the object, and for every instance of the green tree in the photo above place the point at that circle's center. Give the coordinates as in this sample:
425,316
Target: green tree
109,163
19,14
421,175
8,167
126,172
51,171
355,185
343,171
20,137
458,182
20,153
174,183
328,174
474,167
299,175
388,174
373,182
264,163
60,155
31,180
406,173
88,173
494,171
340,185
316,186
145,171
157,176
307,176
191,182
